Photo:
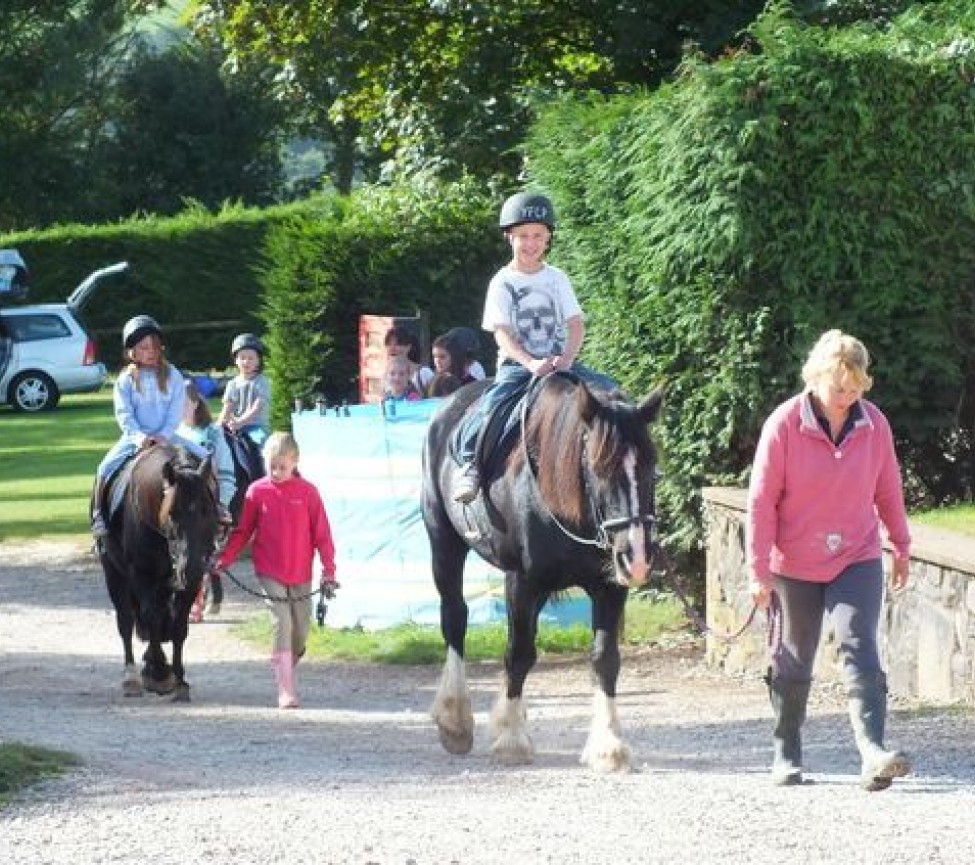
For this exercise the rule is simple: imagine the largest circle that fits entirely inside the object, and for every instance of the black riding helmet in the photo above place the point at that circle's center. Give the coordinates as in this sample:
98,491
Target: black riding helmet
525,207
466,339
247,340
139,327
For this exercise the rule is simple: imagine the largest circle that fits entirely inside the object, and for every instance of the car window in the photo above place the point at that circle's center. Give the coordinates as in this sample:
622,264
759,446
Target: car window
35,326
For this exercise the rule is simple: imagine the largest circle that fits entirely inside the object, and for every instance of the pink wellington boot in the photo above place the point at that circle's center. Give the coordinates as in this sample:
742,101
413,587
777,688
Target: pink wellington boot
284,673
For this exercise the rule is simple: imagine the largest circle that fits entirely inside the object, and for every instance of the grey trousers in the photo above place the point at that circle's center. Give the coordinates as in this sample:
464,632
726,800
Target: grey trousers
852,601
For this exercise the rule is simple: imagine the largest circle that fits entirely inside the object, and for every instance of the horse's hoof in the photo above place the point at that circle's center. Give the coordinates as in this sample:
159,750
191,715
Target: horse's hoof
132,688
182,694
159,686
455,742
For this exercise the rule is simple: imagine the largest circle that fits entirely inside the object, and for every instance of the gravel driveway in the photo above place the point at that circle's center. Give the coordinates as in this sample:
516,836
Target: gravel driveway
358,775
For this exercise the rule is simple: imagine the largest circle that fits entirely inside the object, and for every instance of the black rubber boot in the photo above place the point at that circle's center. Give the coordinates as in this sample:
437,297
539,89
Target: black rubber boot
868,714
788,700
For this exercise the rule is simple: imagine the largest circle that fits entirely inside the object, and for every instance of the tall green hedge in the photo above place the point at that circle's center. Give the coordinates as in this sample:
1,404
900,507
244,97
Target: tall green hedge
395,251
198,274
716,227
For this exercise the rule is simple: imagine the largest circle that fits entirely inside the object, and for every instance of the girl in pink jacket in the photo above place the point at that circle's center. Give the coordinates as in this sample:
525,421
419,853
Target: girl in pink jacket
825,477
285,516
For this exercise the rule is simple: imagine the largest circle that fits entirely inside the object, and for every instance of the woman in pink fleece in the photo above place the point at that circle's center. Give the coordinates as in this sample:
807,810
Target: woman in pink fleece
825,476
285,516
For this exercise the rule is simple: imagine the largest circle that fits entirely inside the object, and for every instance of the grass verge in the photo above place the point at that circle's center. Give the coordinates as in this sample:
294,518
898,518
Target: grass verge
647,621
23,765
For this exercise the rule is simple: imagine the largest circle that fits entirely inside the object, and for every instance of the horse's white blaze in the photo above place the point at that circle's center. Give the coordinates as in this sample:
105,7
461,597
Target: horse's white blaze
605,751
639,566
452,704
512,744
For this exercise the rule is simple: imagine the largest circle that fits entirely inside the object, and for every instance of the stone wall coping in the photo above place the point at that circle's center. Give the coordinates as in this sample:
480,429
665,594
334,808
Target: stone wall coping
940,547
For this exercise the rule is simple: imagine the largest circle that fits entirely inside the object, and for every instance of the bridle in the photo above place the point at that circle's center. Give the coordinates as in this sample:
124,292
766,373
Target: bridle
605,529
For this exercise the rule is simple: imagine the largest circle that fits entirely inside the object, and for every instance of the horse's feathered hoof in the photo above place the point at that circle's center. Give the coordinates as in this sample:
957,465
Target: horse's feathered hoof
454,741
159,686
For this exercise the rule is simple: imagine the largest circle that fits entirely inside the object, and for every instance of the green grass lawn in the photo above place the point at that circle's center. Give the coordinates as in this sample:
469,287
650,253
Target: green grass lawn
47,464
958,518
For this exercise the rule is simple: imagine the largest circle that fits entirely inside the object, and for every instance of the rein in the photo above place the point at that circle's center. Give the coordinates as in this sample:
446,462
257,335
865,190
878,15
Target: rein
703,628
264,596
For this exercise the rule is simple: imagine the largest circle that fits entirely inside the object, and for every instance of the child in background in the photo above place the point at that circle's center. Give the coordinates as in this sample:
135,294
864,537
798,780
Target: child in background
247,399
285,516
198,427
398,387
148,400
400,342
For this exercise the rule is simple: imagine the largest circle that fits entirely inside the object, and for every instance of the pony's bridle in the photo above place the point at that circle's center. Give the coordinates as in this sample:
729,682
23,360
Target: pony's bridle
605,529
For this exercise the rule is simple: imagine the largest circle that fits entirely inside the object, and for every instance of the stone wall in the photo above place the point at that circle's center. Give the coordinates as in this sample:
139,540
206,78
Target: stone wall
927,631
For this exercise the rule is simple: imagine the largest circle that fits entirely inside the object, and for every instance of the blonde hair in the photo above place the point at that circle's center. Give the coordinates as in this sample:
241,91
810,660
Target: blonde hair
280,444
837,355
162,370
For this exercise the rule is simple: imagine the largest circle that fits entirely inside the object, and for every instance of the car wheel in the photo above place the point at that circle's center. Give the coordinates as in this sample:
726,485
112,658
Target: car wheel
33,391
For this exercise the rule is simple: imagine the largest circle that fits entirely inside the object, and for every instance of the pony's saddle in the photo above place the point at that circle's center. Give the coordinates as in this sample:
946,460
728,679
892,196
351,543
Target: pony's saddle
118,483
499,432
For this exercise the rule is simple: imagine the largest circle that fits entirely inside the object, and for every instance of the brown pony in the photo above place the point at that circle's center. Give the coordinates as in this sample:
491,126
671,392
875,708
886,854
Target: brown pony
571,505
160,541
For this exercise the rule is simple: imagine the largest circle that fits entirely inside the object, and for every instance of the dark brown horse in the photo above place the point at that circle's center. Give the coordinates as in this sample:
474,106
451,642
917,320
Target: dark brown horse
161,539
572,505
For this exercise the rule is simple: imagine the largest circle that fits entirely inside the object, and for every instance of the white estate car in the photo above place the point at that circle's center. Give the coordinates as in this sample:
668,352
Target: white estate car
45,350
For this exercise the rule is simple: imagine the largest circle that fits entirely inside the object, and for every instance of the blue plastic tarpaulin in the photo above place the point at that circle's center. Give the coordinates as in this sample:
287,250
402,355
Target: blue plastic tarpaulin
366,462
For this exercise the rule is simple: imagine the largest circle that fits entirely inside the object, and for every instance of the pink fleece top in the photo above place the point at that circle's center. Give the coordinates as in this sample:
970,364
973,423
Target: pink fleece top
813,506
288,524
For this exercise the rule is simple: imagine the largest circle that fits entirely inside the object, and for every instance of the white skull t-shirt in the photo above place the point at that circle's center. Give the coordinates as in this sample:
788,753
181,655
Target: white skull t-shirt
535,306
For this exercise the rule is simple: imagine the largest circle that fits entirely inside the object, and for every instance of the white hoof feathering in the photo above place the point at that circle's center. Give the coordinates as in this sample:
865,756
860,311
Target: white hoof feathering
451,710
512,744
605,751
132,683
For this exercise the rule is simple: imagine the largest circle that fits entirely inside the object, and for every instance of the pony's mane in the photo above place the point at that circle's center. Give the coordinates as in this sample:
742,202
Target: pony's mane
559,440
146,488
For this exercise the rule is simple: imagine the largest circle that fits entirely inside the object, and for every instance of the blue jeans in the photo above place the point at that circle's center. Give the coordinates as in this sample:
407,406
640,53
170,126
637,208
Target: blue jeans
511,378
853,601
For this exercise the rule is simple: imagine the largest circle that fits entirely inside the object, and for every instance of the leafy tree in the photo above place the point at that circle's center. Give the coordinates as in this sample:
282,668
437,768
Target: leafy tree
56,61
181,129
450,85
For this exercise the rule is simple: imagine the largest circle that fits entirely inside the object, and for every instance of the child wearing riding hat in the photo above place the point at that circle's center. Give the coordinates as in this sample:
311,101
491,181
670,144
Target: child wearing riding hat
247,399
148,400
198,427
536,319
285,516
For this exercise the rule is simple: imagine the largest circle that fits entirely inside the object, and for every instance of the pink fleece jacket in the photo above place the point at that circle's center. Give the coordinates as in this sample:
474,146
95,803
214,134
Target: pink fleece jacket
288,524
813,506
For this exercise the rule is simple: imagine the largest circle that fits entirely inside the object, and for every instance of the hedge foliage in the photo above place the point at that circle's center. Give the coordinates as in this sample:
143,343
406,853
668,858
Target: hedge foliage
300,275
426,247
716,227
199,274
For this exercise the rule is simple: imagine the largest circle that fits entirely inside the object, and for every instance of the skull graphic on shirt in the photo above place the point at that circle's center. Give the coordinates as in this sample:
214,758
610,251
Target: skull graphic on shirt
537,321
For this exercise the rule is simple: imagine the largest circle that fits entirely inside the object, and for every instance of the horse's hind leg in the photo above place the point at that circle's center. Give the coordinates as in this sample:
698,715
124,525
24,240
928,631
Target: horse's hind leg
605,750
451,710
512,744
